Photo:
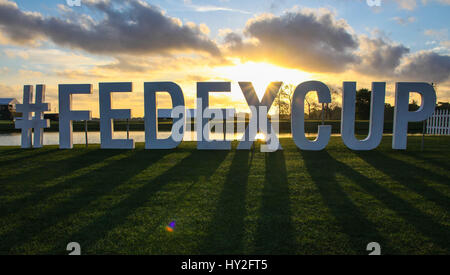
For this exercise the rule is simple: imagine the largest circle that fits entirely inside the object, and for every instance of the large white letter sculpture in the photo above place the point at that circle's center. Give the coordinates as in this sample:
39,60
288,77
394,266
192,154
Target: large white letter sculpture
254,104
204,114
298,116
376,117
402,115
26,116
28,122
38,140
107,115
151,115
66,115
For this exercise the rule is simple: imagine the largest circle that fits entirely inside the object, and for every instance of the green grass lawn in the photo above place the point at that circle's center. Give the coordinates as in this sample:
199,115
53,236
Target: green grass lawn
237,202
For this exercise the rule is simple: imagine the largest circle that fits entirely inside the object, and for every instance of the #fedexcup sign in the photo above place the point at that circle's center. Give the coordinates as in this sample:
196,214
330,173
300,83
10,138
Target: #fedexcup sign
203,115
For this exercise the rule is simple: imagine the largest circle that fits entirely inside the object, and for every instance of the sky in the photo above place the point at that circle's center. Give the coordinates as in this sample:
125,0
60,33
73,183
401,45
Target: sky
188,41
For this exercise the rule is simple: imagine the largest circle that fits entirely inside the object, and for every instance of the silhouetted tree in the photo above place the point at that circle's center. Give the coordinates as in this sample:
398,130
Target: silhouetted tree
388,112
283,101
443,106
362,104
413,106
311,103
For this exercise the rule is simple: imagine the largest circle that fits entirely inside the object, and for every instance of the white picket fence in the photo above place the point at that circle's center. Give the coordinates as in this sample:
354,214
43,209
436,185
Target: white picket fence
439,123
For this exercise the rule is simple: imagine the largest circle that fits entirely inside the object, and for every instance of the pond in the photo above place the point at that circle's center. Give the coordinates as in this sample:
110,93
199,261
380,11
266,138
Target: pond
52,138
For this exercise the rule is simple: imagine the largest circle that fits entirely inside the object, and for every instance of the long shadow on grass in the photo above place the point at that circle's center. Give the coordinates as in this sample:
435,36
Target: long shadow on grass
439,161
11,151
92,186
323,169
51,171
41,164
274,232
226,229
425,224
22,155
198,164
409,176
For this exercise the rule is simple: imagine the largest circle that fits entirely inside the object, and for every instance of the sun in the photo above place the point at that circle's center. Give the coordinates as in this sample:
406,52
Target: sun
261,74
260,137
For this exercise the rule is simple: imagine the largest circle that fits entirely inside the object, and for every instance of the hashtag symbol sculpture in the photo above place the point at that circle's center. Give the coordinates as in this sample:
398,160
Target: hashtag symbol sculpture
28,122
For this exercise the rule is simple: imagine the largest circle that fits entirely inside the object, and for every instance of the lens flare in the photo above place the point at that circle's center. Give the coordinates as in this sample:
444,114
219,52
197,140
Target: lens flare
260,136
170,227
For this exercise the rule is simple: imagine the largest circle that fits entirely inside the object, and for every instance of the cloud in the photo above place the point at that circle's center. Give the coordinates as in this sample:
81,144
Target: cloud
308,39
443,2
382,57
412,4
212,8
439,37
379,56
437,34
445,43
8,91
135,64
51,57
407,4
141,68
426,66
4,70
130,27
404,21
30,74
314,41
276,5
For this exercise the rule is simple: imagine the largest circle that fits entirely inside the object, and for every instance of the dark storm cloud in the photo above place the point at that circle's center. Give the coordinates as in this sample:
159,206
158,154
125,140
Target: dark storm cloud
131,27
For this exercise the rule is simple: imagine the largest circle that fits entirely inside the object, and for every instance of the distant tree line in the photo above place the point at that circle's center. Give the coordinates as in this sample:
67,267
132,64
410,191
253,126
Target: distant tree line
332,111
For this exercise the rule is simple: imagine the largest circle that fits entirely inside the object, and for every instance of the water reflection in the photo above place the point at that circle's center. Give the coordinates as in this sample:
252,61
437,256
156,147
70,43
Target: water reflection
52,138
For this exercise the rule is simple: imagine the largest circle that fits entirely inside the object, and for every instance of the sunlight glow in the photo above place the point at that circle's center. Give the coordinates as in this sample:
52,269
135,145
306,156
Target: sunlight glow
260,136
260,74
